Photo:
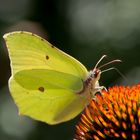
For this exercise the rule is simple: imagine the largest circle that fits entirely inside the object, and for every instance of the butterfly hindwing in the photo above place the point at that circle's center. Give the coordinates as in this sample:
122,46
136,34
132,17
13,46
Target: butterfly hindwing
43,98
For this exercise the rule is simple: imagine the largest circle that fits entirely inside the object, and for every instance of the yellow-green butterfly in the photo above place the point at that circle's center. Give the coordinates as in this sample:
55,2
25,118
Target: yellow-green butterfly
46,83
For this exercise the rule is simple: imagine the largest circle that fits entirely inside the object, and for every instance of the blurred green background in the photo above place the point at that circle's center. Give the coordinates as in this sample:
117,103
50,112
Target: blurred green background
85,29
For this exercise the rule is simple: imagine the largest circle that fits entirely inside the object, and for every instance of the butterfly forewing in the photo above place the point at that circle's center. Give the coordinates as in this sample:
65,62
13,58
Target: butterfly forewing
28,51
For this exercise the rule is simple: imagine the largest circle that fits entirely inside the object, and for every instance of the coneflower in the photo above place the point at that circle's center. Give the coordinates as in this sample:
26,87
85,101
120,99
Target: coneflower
113,115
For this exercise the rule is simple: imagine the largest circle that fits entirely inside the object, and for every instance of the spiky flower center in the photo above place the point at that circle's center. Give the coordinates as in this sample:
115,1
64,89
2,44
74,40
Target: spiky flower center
114,115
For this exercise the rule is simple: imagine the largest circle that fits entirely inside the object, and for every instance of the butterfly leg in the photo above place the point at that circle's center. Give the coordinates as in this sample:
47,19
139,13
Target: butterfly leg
98,90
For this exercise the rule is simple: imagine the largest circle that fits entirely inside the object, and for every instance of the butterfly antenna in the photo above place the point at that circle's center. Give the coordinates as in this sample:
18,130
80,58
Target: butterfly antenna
100,61
113,61
113,68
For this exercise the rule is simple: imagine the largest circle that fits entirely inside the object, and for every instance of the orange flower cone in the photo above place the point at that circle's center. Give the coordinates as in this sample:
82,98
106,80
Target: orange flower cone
114,115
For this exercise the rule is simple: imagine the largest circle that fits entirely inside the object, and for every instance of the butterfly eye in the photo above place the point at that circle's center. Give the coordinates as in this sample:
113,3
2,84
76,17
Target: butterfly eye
96,73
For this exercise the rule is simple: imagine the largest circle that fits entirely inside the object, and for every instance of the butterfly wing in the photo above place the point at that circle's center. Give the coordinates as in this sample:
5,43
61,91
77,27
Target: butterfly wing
45,80
29,51
47,95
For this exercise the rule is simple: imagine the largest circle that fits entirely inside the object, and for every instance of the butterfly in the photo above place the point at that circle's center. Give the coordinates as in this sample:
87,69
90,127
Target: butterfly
47,84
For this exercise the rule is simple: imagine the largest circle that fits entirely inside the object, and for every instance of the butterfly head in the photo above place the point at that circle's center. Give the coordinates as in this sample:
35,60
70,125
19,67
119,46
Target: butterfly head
96,73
